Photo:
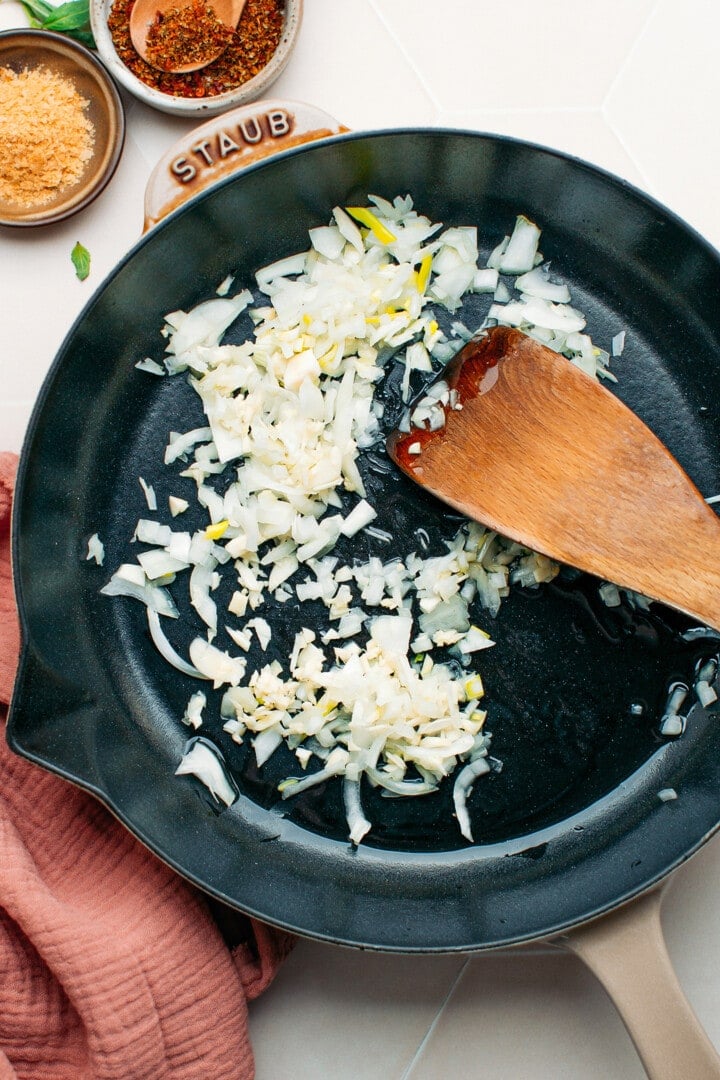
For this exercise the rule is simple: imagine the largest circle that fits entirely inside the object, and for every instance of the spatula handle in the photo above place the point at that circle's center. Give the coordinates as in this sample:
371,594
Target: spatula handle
626,951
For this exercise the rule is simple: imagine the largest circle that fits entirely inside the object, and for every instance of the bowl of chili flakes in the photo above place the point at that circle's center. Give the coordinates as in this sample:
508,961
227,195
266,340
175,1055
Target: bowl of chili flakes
257,54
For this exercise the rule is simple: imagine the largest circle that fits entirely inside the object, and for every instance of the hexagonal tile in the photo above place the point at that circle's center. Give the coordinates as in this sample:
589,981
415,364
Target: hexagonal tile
380,1017
499,1019
585,133
520,54
667,118
363,77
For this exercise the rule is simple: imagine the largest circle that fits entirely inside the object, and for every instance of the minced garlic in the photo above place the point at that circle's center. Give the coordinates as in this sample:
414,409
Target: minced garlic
46,139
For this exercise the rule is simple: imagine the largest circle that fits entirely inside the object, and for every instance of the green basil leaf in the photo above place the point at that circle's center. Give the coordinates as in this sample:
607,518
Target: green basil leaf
81,261
71,16
84,37
37,10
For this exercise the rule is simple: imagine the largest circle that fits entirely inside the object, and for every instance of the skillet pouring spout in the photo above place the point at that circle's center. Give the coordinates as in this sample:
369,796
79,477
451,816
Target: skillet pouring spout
536,449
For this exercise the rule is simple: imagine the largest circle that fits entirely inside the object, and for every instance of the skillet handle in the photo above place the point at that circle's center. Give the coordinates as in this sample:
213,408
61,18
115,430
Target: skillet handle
626,951
52,721
227,143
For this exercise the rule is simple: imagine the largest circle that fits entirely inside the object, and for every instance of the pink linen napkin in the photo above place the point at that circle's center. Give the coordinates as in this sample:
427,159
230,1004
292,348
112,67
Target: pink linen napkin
111,966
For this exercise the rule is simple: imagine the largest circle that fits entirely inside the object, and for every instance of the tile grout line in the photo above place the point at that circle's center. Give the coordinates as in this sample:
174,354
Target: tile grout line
648,186
629,55
407,57
524,110
604,110
436,1020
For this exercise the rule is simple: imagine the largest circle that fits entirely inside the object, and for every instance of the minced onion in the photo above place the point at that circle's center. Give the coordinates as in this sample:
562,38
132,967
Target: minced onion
150,366
287,413
149,493
95,549
194,709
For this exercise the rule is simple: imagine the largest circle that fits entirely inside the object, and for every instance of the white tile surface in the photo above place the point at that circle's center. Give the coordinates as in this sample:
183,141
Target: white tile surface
517,1017
661,106
584,133
631,85
514,55
370,1030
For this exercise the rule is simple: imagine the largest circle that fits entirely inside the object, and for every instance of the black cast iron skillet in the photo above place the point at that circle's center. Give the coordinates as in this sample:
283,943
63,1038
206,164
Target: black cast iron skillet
571,826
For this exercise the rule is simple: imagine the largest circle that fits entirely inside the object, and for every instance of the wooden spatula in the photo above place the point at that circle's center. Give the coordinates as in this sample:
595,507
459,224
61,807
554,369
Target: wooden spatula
542,453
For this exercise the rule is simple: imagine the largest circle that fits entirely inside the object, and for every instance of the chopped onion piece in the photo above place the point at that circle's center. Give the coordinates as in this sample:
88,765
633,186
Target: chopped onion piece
131,572
451,614
266,743
391,633
194,708
334,766
177,505
358,824
461,791
672,725
216,665
204,325
166,650
201,582
400,787
209,767
537,283
262,630
155,598
150,366
157,563
180,445
475,640
485,280
241,637
293,264
95,549
497,253
519,255
328,241
538,313
152,532
149,493
360,516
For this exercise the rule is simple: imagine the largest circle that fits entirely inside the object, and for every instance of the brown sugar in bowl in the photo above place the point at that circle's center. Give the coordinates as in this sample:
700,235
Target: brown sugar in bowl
82,168
197,107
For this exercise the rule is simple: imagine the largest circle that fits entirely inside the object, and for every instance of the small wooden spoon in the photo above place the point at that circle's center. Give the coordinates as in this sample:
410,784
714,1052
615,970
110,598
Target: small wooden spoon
543,454
145,12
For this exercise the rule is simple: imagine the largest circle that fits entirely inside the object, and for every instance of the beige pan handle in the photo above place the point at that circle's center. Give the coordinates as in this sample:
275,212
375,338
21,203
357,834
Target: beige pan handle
626,951
228,143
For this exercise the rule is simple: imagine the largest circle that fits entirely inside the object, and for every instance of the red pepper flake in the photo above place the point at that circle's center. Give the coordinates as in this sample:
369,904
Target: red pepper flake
191,34
251,48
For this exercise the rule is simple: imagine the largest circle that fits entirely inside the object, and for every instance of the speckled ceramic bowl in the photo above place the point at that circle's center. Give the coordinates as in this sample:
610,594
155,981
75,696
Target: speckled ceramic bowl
28,49
192,106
